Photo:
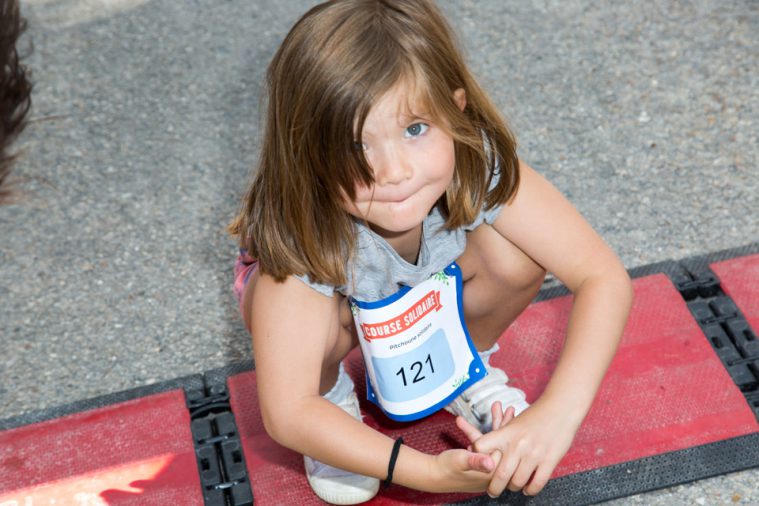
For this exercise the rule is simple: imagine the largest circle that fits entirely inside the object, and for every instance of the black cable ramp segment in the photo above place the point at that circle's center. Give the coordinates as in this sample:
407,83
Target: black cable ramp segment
218,449
726,328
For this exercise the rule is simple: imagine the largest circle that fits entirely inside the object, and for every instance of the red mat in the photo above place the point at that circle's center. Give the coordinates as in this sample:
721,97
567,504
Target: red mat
136,453
666,390
739,279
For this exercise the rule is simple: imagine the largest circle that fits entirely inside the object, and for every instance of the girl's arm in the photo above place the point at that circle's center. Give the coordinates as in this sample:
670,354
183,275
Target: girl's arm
293,329
541,222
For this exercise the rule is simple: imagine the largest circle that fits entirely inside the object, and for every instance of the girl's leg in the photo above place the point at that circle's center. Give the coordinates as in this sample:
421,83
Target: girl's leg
500,280
341,343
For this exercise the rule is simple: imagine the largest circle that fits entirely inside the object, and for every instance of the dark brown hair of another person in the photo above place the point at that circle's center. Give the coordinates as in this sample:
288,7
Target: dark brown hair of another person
15,91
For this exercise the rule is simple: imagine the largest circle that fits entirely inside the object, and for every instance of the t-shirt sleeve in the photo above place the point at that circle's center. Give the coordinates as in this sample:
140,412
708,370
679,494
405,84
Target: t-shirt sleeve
487,215
327,290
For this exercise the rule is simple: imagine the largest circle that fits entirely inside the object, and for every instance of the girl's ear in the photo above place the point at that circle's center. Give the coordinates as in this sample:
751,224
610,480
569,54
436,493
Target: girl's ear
459,96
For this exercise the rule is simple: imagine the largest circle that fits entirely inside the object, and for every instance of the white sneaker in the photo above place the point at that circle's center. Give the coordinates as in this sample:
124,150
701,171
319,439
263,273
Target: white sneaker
334,485
474,403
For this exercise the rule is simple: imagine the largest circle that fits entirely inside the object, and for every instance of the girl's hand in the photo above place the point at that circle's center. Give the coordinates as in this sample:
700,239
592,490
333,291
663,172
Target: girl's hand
465,470
462,471
528,447
500,419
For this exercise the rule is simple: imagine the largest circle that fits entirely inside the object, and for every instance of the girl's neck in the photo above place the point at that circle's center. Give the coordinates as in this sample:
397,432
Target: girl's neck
407,244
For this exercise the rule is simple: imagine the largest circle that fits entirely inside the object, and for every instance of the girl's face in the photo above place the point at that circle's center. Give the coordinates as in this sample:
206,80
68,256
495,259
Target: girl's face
413,161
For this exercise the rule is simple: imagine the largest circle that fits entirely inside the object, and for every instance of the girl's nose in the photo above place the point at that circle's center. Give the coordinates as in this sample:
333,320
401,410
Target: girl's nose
393,170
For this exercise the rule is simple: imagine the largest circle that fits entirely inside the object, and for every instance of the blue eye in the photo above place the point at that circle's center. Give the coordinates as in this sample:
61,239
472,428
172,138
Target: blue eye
359,146
415,130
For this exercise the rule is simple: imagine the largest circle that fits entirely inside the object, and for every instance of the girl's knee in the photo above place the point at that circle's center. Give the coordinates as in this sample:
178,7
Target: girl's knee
503,263
345,337
527,276
338,348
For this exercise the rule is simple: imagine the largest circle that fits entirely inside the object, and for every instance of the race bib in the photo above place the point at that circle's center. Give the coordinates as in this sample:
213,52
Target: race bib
417,351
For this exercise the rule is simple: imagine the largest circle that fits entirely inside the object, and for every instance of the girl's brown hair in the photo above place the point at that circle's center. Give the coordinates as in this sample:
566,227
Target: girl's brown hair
337,60
15,91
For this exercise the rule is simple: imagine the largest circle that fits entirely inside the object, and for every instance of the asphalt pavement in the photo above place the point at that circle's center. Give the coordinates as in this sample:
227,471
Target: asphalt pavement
115,269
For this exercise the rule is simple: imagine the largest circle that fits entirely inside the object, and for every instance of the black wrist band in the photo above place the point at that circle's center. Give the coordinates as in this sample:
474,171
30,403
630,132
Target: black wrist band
393,458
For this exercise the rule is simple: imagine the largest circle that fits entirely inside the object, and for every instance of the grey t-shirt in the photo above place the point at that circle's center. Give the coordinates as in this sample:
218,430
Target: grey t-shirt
377,271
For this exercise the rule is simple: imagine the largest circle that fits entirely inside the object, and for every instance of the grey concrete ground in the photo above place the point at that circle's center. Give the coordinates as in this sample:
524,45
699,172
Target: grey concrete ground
115,271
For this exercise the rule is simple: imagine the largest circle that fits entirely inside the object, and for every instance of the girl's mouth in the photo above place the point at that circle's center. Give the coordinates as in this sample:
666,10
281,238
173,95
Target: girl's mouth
398,199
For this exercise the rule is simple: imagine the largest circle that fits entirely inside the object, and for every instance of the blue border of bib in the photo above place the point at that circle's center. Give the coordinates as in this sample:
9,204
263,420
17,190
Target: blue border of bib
382,302
453,270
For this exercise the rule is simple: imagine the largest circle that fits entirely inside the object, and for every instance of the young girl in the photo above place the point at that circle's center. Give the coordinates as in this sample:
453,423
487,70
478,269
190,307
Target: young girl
389,208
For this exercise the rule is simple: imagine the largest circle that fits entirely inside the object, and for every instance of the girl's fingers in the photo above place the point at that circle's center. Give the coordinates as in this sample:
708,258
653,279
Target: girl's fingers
496,456
471,432
538,480
503,474
508,416
501,418
522,475
480,462
495,410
